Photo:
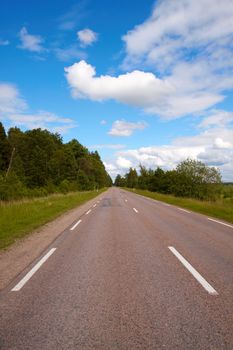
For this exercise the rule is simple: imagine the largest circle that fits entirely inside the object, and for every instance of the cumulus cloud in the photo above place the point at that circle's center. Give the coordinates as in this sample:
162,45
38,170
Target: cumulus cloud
220,144
138,88
111,168
30,42
124,128
189,45
213,146
123,162
87,37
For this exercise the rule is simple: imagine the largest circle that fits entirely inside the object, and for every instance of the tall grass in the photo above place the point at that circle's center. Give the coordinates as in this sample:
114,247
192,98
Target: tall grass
221,209
18,218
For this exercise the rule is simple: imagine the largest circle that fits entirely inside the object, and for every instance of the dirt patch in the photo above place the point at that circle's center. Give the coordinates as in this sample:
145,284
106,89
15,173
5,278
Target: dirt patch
17,257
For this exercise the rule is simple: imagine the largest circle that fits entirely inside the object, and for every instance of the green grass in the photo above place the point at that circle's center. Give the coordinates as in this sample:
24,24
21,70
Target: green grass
221,209
19,218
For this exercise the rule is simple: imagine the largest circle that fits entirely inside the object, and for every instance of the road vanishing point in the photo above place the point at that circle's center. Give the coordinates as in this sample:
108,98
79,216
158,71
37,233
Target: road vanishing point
129,273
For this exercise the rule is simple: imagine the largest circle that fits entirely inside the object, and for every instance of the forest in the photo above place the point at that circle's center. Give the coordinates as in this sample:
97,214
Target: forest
37,163
191,178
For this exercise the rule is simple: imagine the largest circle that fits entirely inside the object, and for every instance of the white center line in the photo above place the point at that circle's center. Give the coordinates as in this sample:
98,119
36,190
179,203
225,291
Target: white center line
194,272
126,200
75,225
94,205
186,211
88,212
32,271
136,211
219,222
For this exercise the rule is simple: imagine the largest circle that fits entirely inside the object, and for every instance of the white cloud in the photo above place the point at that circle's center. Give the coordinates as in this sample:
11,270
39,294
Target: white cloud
124,128
163,156
138,88
68,54
217,118
112,169
10,99
188,47
87,37
175,27
4,42
219,143
214,147
189,44
124,163
30,42
107,146
43,120
15,110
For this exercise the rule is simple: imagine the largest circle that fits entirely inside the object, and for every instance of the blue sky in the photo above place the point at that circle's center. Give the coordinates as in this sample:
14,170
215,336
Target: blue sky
147,82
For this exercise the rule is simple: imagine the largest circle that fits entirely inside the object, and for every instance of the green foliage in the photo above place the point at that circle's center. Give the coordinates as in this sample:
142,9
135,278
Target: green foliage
41,164
4,150
191,178
131,178
120,181
11,187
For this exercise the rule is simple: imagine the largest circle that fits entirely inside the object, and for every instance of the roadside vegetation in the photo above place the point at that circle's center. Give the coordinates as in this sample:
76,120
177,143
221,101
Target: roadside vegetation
221,209
41,177
18,218
192,185
37,163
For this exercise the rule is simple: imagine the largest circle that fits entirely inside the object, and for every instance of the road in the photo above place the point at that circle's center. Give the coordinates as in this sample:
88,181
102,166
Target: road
116,278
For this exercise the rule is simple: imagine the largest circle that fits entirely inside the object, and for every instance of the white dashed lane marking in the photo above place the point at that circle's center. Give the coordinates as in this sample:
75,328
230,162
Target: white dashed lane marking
75,225
33,271
194,272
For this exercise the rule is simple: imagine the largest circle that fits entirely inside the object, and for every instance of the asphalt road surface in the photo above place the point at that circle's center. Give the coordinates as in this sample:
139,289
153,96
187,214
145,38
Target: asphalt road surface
130,273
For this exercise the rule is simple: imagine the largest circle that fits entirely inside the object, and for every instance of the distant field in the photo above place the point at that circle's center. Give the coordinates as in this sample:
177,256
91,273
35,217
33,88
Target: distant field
221,209
18,218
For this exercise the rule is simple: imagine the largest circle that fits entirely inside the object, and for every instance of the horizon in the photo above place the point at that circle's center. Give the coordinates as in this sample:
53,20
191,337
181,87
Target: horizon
141,83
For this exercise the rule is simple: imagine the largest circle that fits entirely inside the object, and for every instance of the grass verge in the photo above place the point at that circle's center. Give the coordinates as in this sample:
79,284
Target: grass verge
19,218
222,209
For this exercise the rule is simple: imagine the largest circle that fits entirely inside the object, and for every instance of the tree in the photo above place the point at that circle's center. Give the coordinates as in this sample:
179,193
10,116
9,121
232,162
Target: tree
191,178
198,180
131,178
120,181
5,151
39,159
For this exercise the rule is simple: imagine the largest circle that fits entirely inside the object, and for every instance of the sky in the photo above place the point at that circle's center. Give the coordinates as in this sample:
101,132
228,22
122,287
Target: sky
142,82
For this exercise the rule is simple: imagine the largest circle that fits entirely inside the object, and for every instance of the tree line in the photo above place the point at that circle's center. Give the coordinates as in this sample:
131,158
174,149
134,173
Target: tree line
191,178
37,162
